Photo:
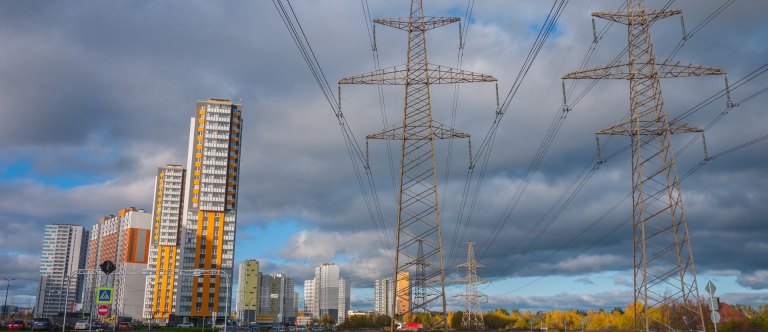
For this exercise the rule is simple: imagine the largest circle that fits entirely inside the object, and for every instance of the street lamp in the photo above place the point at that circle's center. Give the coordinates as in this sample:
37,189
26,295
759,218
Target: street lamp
66,297
200,272
5,305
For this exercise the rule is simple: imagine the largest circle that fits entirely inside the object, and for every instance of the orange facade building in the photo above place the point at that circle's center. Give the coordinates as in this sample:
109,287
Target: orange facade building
123,239
201,236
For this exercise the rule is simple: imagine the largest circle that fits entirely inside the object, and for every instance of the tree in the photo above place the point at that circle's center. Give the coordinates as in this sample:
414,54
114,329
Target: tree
327,320
454,319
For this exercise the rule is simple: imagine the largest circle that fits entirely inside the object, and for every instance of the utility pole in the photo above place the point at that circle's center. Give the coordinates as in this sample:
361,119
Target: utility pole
418,214
7,287
473,315
664,275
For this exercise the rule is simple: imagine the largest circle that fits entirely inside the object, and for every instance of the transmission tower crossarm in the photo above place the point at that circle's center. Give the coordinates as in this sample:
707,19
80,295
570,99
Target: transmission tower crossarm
439,131
661,70
438,74
647,16
406,24
625,128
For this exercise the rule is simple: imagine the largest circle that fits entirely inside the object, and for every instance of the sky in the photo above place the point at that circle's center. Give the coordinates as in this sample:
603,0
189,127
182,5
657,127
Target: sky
94,96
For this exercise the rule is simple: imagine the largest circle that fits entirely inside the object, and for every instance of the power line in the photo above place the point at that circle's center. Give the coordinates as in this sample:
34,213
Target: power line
356,154
545,143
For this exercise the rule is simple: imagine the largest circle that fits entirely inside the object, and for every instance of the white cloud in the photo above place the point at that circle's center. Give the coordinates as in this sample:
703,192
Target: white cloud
754,280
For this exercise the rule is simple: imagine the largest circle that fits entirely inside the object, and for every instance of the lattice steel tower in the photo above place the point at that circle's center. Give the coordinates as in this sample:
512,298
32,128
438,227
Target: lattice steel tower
418,215
665,289
472,317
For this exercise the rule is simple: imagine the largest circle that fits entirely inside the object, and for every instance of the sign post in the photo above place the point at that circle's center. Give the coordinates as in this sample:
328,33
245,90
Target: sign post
714,315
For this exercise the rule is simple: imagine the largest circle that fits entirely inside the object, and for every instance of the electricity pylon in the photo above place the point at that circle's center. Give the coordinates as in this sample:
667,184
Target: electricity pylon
418,215
665,290
472,317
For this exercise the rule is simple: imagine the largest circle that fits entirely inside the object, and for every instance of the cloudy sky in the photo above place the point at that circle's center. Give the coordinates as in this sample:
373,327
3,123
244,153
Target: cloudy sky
94,96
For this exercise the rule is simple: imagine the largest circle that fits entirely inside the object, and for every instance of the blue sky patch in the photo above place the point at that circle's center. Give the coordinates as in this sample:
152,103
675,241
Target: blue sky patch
24,170
265,241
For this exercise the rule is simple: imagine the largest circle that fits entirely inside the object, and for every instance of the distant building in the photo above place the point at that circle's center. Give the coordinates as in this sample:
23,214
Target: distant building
383,296
309,297
343,300
403,293
248,291
277,299
330,296
351,313
64,251
265,298
124,240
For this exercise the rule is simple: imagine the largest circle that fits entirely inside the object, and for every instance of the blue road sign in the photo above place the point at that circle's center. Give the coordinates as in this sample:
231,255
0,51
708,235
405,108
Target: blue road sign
104,295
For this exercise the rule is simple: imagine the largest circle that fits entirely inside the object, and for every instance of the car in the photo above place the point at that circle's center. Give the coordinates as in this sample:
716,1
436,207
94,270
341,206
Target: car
81,325
185,324
42,324
16,325
124,326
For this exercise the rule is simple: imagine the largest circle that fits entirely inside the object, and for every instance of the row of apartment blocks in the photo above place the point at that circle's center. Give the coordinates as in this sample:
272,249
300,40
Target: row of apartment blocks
123,238
265,298
191,228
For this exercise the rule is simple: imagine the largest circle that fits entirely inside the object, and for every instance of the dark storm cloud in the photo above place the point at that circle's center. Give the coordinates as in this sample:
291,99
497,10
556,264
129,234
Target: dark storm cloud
107,89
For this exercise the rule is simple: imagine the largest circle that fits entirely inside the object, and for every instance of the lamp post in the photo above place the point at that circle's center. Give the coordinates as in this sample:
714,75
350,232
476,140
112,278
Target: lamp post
66,297
200,272
7,286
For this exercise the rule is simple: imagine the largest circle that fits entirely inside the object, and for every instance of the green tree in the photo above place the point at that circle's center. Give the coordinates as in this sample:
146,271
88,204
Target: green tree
454,319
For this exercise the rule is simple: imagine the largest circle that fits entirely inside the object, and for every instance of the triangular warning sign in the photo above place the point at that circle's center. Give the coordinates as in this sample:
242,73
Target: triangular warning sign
104,295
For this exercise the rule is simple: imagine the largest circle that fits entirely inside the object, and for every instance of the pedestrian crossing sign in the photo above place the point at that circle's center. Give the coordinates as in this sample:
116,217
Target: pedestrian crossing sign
104,295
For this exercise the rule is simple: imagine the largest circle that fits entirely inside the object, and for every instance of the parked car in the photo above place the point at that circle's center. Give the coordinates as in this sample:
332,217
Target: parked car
81,325
16,325
186,324
124,326
42,324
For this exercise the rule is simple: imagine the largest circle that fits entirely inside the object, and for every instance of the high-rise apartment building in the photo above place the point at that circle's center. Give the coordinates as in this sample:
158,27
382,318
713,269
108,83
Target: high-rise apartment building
309,297
194,217
64,252
276,300
248,291
343,301
208,227
167,210
383,296
124,240
331,293
265,298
